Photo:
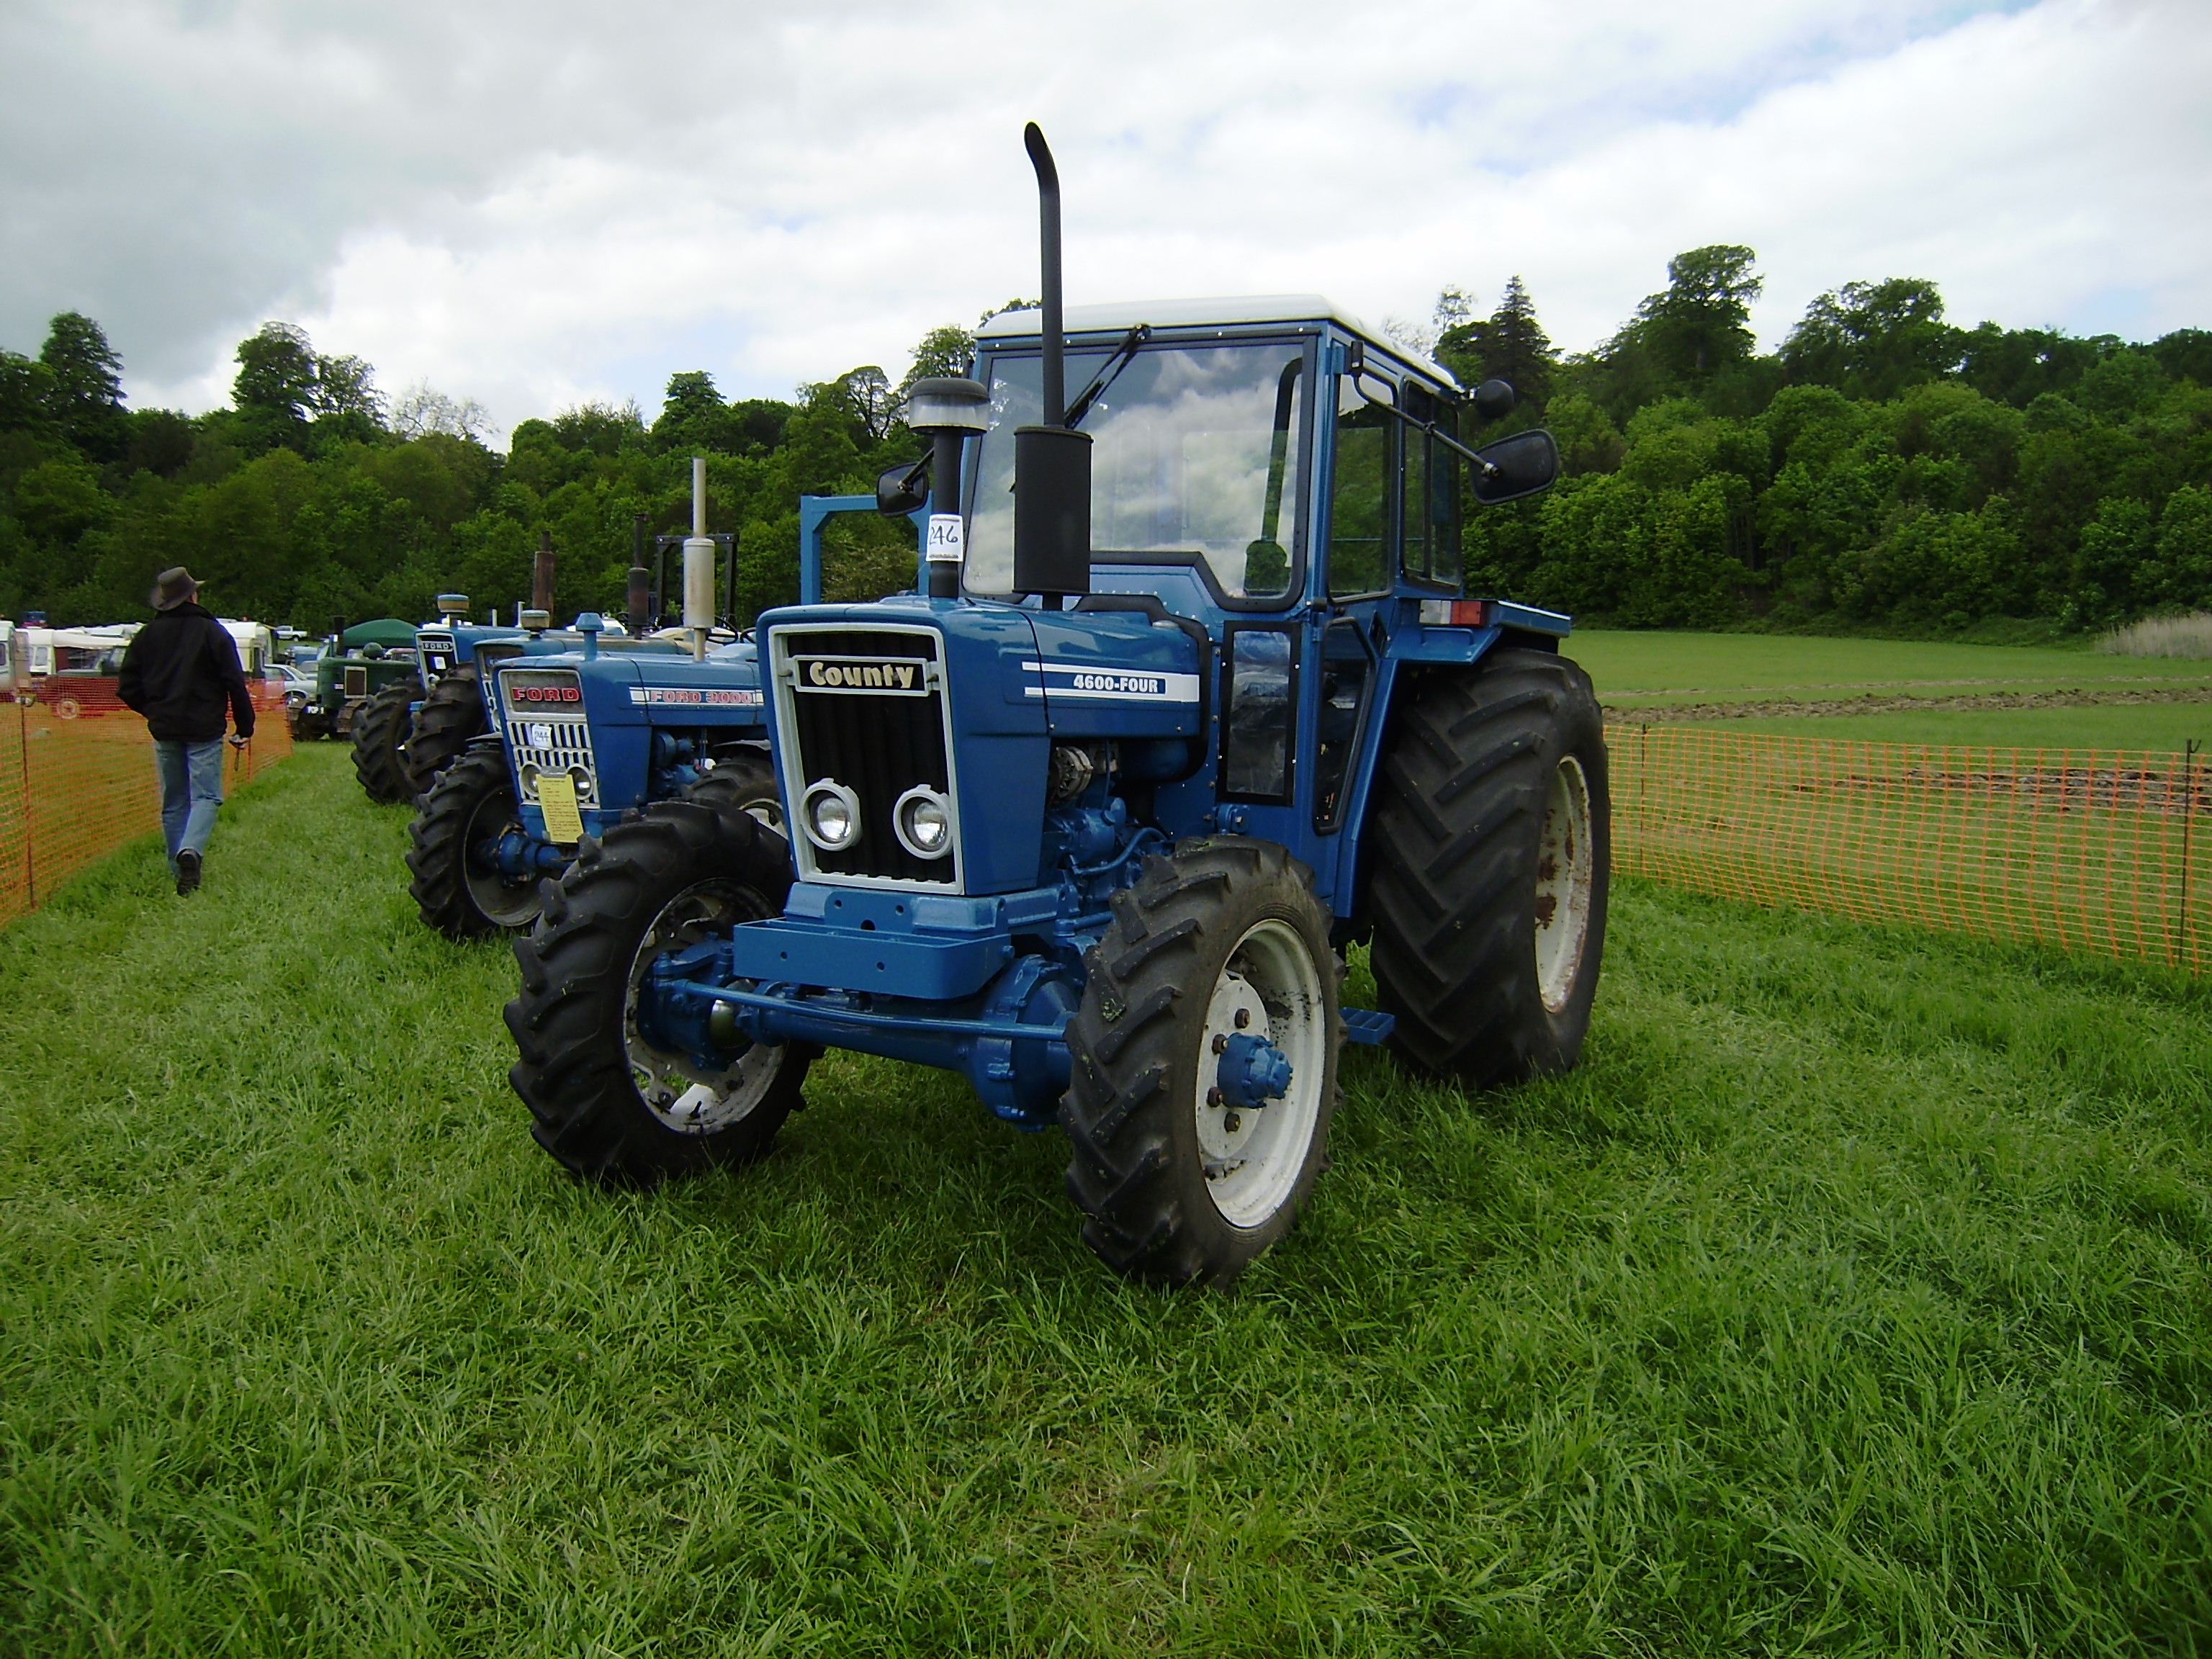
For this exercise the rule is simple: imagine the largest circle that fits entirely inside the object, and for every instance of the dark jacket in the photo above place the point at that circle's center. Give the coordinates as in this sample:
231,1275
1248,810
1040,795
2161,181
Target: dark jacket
180,671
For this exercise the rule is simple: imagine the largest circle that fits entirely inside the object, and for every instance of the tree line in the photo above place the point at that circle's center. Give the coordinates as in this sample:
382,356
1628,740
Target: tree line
1883,470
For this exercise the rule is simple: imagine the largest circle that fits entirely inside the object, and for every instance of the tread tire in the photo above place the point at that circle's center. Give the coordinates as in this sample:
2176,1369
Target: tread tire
1136,1169
744,783
379,735
437,852
570,1019
1460,802
452,713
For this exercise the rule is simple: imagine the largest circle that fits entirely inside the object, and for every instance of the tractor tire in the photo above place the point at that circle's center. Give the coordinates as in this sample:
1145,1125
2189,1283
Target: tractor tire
472,802
1491,842
1223,936
380,735
603,1101
453,713
743,782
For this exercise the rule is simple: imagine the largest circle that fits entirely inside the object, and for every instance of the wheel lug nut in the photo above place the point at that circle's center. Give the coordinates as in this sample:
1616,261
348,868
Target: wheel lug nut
1243,1018
1213,1095
1220,1043
1231,1121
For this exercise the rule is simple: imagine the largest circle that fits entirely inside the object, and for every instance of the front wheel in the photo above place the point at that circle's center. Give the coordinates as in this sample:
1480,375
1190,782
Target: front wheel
379,735
605,1098
452,714
456,887
1203,1062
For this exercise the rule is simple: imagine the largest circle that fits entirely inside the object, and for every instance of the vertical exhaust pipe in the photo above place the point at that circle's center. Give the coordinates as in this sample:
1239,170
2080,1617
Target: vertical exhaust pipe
1052,463
699,565
541,575
637,599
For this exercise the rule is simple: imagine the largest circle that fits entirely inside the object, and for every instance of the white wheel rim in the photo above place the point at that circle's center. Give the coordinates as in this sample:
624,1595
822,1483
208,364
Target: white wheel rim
1252,1157
681,1095
1566,871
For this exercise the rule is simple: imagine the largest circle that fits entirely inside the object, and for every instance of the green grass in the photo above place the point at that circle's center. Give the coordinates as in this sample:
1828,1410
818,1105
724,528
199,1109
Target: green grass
1630,666
1852,1297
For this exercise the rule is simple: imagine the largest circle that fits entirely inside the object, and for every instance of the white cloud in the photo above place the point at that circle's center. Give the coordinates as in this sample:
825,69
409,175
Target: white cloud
530,205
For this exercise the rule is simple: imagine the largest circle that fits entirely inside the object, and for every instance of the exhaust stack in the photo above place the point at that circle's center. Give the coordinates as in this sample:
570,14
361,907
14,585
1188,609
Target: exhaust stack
698,565
1052,462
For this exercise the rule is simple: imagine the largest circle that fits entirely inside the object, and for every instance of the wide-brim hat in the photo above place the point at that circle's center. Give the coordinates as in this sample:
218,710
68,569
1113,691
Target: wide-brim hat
171,588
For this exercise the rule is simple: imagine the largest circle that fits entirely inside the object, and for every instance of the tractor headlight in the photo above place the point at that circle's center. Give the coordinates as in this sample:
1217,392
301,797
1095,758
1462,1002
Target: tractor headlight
923,820
830,814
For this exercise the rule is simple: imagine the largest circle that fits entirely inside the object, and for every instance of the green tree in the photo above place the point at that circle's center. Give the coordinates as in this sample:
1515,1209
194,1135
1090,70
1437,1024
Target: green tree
1509,345
1701,322
1873,339
275,390
84,391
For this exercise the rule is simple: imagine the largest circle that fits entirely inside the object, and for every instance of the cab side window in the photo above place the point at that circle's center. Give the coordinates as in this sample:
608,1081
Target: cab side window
1429,494
1360,494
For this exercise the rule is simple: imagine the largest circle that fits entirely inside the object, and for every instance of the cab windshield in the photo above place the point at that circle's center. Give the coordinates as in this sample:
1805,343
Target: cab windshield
1195,456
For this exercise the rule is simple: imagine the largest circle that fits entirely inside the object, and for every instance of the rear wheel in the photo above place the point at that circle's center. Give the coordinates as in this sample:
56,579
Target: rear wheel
379,732
1493,840
607,1099
452,713
1203,1062
743,782
456,887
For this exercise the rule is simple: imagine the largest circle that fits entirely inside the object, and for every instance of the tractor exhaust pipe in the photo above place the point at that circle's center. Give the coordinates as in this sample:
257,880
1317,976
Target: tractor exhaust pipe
1052,463
698,565
637,598
541,575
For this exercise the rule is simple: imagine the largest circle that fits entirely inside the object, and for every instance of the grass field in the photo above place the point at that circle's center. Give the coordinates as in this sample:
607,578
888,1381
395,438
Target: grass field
1632,668
2161,725
1852,1297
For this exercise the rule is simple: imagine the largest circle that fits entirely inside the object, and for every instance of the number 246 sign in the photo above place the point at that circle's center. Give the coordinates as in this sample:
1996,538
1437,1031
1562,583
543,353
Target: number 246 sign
946,545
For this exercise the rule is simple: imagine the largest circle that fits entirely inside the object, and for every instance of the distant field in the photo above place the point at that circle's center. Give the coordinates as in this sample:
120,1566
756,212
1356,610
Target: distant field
1852,1298
2138,726
1633,668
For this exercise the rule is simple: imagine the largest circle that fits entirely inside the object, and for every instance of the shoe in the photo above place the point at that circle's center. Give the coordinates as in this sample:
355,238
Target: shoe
188,871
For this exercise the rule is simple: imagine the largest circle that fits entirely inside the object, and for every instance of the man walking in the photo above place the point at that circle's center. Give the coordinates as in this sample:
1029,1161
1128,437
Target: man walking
179,672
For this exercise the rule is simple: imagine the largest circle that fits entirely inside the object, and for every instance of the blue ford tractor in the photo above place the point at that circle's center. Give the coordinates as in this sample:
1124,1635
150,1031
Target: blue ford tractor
580,735
1191,699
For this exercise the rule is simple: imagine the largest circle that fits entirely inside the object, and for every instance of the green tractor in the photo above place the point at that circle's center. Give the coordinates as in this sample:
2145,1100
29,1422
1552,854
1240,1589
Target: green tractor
359,662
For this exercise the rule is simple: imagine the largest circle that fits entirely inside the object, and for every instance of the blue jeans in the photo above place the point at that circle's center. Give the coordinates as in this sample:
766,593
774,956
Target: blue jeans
192,788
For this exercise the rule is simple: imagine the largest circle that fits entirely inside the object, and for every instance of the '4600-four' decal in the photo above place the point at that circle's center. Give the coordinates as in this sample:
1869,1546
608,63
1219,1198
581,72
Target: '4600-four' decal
1087,680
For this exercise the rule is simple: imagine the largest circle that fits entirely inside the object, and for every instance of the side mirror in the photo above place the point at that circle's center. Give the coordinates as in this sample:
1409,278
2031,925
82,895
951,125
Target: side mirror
1515,466
902,490
1492,399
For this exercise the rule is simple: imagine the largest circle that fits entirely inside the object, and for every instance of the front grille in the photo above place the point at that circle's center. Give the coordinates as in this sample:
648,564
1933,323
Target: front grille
547,728
559,744
436,651
877,741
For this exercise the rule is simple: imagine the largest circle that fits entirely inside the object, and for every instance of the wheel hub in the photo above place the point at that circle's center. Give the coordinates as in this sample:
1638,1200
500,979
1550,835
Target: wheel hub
1263,1056
1566,867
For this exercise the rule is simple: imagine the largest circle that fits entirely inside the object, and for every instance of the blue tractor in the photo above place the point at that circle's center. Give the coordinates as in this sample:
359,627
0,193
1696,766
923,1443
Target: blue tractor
1192,699
569,732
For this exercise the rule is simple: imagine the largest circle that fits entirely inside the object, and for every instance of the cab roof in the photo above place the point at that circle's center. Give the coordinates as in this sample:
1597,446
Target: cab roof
1125,314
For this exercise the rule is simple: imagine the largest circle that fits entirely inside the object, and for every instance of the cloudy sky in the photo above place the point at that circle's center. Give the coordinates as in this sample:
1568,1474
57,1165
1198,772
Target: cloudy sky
537,205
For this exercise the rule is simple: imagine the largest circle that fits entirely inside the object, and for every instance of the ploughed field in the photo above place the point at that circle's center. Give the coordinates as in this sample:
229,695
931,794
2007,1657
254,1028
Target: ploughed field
1852,1297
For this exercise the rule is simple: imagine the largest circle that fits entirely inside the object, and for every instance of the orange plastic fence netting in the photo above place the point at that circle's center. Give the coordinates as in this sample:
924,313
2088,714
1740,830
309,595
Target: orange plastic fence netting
76,781
2103,851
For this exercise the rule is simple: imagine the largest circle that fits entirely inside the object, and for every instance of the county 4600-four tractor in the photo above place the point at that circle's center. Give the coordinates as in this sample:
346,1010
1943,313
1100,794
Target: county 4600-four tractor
1192,700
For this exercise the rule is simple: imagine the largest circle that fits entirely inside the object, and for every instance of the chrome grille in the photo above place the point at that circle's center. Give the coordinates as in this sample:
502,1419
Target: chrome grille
555,742
547,730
